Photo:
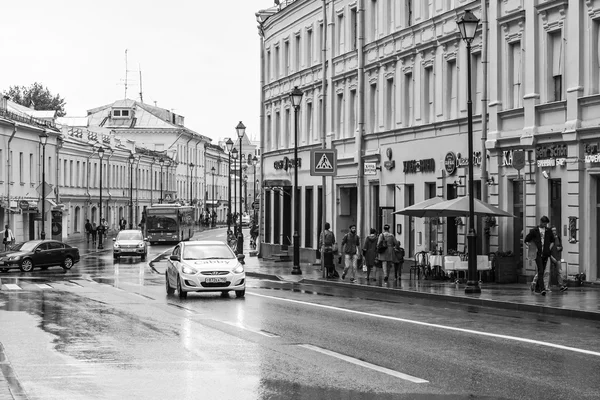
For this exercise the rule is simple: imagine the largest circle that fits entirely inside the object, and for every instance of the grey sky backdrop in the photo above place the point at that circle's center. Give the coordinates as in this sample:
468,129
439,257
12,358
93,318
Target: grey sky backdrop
199,58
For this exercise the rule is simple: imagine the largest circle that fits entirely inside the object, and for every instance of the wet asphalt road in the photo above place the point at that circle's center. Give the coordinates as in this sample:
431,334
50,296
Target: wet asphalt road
106,330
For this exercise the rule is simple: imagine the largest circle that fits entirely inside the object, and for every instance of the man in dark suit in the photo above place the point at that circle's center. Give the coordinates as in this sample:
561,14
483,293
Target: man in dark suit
543,239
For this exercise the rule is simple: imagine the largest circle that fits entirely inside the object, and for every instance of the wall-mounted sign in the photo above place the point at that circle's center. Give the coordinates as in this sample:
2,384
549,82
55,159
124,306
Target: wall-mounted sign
551,155
507,158
414,166
286,163
518,159
450,163
390,164
323,162
370,168
463,162
592,153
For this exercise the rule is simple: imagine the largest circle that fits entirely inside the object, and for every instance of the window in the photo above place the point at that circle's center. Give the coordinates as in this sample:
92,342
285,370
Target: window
514,96
121,113
297,55
352,116
339,115
319,120
372,108
21,168
269,143
428,95
277,132
389,104
340,34
408,100
286,58
276,71
78,172
320,46
388,16
309,47
373,21
1,166
451,106
555,59
65,181
31,169
595,58
71,173
409,12
354,27
309,122
287,129
476,82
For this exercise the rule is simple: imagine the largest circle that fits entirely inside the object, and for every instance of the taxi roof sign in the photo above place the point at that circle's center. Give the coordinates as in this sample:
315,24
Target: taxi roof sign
323,162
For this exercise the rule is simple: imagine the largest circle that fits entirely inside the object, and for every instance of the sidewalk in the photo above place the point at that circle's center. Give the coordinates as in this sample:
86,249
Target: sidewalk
577,301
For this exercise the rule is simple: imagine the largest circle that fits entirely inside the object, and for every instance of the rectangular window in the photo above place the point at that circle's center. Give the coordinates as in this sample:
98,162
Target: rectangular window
21,167
389,104
555,58
319,129
64,174
373,108
277,131
1,166
340,34
276,70
352,117
409,12
476,82
297,55
408,100
309,47
354,27
320,44
309,122
71,173
374,20
339,116
594,86
514,76
31,168
389,12
78,173
268,66
49,170
451,106
286,58
269,144
287,129
428,95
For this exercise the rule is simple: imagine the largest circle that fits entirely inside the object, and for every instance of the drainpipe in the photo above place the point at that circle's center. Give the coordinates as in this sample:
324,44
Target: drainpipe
196,175
484,110
9,172
137,189
360,183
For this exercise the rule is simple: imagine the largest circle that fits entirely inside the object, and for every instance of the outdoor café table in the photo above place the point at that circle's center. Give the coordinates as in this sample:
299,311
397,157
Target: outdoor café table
437,263
454,263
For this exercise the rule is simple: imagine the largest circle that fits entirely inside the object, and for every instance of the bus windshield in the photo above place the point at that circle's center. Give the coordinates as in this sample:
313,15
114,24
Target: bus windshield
161,223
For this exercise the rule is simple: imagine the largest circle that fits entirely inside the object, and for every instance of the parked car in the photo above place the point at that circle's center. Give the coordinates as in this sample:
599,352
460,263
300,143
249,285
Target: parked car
246,220
130,242
39,254
205,266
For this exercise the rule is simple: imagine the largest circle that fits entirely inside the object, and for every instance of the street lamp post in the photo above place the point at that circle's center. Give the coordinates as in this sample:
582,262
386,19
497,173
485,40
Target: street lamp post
43,141
467,25
101,155
296,96
162,163
191,183
229,145
241,130
212,214
131,160
234,156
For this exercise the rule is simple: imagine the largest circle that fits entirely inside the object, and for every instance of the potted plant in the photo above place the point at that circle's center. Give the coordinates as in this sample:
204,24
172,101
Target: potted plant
505,267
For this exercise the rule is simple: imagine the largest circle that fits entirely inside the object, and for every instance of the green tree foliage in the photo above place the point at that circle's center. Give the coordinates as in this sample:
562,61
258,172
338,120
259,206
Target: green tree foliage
38,96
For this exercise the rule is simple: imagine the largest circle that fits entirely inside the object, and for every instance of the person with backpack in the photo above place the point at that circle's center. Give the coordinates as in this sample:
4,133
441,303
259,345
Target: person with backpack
386,244
327,245
350,247
369,251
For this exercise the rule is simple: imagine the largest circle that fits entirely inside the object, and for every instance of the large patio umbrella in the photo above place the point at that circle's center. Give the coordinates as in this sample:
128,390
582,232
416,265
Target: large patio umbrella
420,210
459,207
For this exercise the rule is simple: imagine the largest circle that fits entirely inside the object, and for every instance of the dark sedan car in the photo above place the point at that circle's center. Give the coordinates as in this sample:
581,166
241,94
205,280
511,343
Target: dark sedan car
39,254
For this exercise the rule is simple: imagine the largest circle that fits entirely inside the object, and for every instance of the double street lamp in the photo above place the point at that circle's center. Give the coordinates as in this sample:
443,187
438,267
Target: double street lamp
241,131
131,161
229,145
43,142
467,25
101,226
234,156
212,215
296,96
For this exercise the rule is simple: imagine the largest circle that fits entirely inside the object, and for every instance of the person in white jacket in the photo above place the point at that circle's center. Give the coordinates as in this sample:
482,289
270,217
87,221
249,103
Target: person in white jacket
9,238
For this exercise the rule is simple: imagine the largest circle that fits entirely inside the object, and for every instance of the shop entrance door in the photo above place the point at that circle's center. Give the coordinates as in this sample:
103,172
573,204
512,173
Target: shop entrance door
451,230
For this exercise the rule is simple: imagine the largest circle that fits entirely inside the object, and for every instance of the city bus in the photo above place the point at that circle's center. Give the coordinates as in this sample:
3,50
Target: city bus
169,223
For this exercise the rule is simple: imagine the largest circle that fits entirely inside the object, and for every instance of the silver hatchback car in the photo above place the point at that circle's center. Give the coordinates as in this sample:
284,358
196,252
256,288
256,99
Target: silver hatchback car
205,266
130,242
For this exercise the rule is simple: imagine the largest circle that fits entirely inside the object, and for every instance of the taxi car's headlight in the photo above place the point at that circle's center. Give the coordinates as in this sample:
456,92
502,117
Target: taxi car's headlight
238,270
188,270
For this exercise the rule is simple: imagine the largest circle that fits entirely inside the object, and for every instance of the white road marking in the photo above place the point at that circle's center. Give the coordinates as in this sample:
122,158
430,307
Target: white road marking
365,364
43,286
449,328
12,286
260,332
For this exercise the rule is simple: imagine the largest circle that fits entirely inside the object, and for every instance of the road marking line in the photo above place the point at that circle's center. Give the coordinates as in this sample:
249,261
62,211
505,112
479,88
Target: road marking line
12,286
43,286
260,332
365,364
450,328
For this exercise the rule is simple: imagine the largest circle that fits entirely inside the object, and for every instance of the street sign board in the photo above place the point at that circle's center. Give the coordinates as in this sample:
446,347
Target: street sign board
48,190
323,162
518,159
370,168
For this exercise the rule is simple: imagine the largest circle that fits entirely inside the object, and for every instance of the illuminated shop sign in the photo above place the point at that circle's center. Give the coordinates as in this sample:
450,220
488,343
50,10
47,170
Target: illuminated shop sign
463,162
551,155
592,153
414,166
450,163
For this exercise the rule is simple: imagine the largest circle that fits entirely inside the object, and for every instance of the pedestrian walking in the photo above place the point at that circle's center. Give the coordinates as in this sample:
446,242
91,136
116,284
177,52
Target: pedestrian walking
102,229
328,246
94,232
122,224
543,239
88,230
9,238
386,243
369,251
351,250
556,257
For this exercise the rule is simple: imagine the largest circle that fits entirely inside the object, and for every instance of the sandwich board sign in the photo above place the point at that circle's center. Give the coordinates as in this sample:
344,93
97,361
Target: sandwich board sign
323,162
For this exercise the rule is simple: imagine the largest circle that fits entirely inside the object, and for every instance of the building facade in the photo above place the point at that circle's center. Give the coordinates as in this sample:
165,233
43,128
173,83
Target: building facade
384,85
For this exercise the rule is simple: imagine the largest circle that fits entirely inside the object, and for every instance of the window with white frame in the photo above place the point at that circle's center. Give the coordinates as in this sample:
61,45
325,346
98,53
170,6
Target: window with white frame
428,95
340,34
268,66
121,113
408,107
21,171
319,120
287,129
319,46
71,173
372,108
297,52
276,69
286,58
374,20
389,13
514,97
594,85
389,103
354,28
555,60
352,116
31,168
476,83
451,106
269,143
309,122
339,115
277,132
309,47
408,12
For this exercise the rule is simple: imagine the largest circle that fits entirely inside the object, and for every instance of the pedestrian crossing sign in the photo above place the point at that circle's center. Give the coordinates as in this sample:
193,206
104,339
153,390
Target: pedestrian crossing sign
323,162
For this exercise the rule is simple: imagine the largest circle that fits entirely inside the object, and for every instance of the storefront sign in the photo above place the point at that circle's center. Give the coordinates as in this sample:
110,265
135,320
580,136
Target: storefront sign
507,158
286,163
551,155
464,162
370,168
414,166
592,153
450,163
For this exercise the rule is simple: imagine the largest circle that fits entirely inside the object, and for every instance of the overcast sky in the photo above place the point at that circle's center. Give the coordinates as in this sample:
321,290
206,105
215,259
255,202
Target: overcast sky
199,58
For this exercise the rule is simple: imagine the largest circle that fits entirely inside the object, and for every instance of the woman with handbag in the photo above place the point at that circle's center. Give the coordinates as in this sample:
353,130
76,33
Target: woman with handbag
328,246
386,245
369,251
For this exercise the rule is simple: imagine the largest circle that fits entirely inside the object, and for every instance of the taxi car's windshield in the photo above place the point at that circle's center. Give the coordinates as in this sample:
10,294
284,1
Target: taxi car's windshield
207,252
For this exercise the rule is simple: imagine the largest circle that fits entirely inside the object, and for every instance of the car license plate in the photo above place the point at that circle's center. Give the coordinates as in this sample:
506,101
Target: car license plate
216,280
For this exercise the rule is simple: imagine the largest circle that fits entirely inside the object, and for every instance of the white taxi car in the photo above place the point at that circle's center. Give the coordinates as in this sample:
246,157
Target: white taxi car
205,266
